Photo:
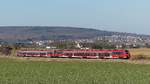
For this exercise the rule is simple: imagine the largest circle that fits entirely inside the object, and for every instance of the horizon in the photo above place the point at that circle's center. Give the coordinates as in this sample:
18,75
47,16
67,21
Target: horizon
110,15
79,27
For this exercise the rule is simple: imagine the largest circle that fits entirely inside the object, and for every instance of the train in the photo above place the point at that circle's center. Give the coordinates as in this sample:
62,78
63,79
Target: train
74,53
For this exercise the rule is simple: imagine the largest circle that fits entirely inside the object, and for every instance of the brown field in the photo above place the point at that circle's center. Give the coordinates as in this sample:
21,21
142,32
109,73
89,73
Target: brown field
140,51
143,53
140,56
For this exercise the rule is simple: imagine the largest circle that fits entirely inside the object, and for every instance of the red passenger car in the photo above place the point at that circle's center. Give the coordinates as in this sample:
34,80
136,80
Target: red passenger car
89,54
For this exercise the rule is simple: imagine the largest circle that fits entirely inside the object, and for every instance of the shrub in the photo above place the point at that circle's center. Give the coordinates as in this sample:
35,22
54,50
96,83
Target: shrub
5,50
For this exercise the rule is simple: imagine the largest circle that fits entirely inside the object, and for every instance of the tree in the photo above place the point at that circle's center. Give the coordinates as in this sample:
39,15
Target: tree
6,50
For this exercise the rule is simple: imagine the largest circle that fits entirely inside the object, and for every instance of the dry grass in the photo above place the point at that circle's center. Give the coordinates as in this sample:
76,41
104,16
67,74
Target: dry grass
140,54
143,51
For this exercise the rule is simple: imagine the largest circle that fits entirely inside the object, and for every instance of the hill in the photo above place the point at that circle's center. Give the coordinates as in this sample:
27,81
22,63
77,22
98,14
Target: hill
54,33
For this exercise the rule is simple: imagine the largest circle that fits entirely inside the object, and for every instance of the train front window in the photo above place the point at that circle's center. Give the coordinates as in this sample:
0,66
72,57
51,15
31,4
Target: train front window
117,53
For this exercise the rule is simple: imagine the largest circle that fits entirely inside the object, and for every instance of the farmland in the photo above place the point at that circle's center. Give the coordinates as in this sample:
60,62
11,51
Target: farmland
141,51
14,71
30,70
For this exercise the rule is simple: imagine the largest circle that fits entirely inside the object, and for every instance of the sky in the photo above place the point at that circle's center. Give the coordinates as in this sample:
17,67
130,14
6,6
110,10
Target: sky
113,15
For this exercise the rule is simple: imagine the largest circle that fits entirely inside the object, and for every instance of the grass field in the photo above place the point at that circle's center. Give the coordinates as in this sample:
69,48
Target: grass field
35,72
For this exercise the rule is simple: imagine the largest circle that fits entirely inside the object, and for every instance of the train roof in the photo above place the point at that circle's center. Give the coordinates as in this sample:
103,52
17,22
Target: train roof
74,50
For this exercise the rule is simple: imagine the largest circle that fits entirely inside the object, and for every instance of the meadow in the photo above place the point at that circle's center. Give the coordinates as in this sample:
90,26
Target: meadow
13,71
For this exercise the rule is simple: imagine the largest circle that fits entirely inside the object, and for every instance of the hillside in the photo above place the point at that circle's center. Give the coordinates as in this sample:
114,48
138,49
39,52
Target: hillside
57,33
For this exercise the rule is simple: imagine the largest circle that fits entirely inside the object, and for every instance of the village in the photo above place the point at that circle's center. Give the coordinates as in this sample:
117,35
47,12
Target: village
101,42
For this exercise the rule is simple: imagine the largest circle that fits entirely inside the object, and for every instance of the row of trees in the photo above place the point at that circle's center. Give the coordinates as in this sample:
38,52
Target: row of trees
9,49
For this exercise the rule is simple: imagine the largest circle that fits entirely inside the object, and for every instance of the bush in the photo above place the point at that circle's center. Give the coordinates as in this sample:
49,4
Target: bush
5,50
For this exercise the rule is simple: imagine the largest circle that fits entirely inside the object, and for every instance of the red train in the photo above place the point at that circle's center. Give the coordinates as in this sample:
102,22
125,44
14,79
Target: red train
89,54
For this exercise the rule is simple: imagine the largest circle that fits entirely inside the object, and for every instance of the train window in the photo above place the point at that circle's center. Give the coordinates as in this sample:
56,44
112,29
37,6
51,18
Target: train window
117,53
99,54
103,54
107,54
87,54
49,52
79,54
42,53
28,53
58,52
35,53
20,53
23,53
68,54
82,54
93,54
76,54
90,54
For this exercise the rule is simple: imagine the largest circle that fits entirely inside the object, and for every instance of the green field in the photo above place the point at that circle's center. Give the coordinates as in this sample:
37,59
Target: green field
32,72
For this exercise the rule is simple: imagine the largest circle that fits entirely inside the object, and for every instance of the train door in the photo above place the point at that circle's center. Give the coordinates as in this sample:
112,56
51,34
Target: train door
58,53
43,54
100,55
49,54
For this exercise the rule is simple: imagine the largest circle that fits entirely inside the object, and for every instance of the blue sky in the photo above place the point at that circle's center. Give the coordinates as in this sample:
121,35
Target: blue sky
114,15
